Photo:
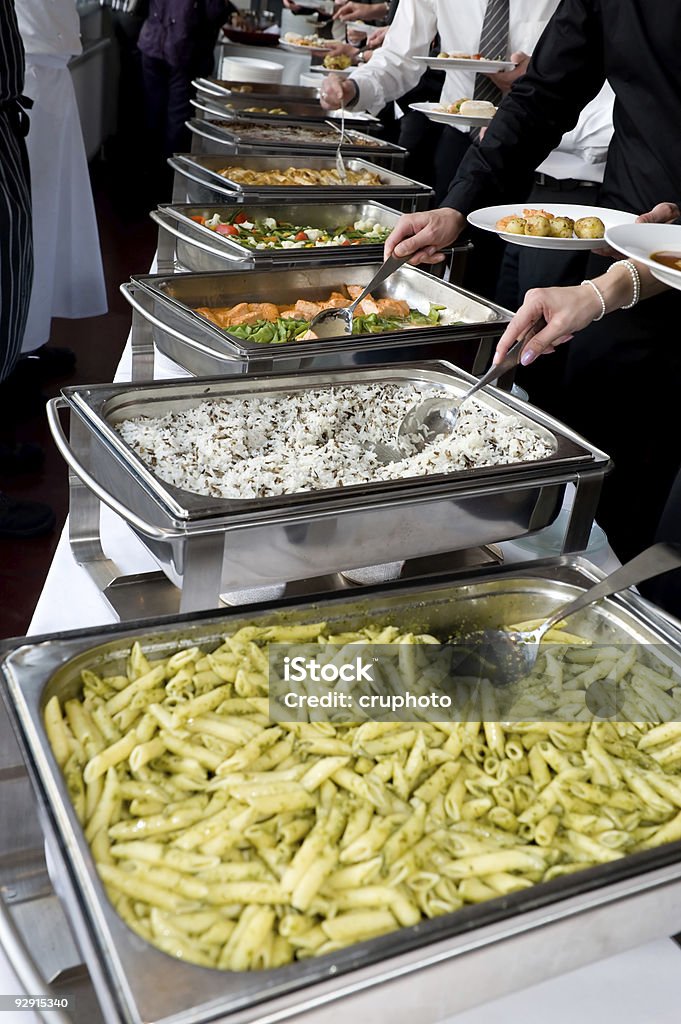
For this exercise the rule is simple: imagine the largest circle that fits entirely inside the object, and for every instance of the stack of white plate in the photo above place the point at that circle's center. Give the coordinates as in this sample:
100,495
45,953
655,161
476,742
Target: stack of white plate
251,69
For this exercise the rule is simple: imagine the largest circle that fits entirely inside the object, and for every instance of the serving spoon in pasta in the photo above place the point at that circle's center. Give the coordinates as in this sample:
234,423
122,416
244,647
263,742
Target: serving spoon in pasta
504,656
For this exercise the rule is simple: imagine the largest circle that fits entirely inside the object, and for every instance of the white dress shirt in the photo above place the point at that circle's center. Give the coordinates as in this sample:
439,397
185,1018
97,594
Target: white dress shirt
392,71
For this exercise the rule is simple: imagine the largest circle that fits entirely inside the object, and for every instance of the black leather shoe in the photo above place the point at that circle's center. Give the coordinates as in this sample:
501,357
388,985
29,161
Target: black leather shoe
51,361
22,457
24,518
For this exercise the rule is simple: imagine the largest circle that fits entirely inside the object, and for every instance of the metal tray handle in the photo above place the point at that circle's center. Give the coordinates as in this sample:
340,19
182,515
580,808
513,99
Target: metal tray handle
23,965
187,168
165,222
69,456
198,127
127,290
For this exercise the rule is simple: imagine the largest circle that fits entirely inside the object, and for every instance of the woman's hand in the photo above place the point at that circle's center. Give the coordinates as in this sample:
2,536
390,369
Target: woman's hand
565,310
423,235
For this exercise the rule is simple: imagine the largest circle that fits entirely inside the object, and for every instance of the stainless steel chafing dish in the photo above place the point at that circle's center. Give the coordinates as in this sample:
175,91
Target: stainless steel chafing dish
165,316
427,973
213,133
193,246
197,181
220,87
212,546
296,112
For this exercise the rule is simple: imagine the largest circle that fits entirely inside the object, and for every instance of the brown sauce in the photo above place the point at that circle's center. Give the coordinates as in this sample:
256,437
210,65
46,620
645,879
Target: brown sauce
667,259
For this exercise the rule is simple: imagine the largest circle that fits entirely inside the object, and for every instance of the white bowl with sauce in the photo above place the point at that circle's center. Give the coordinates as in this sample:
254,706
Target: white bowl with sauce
657,246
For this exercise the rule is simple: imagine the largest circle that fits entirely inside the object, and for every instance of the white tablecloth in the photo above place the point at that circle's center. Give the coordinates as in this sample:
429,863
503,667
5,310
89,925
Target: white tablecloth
642,986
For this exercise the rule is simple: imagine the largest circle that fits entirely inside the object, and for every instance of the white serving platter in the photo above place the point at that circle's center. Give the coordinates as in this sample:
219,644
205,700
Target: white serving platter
487,220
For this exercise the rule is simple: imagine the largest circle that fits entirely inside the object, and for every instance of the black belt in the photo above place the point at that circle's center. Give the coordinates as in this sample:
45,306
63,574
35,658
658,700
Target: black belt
562,184
16,111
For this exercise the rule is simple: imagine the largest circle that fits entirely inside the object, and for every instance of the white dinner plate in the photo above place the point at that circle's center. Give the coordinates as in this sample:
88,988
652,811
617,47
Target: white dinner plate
323,6
434,112
360,26
467,64
297,48
640,241
321,70
487,220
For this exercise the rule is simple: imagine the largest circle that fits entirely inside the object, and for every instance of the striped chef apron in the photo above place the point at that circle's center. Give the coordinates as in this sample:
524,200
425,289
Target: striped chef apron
16,247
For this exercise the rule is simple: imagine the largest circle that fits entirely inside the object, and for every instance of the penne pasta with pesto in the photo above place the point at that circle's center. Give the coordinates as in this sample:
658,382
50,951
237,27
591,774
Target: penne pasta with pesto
240,843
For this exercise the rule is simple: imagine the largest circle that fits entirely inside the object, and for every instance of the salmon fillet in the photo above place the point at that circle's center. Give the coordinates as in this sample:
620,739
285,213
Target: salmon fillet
306,310
393,307
211,314
368,306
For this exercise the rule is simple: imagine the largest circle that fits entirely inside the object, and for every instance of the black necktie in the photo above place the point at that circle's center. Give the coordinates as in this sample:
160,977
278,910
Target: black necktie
493,46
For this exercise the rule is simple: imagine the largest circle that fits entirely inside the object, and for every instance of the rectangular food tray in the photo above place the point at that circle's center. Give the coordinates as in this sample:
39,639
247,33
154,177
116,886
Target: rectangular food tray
210,546
296,112
176,297
428,972
197,248
212,135
198,181
212,87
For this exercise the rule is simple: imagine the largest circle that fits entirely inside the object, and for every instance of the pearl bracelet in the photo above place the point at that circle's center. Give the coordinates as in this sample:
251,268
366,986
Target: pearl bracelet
601,300
635,280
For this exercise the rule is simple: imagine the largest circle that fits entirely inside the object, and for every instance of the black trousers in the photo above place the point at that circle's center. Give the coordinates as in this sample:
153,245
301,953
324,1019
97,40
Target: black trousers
16,240
484,262
621,391
616,383
666,590
167,95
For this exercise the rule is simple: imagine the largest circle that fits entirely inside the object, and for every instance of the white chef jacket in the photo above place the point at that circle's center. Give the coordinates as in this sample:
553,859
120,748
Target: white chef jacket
392,71
49,27
68,278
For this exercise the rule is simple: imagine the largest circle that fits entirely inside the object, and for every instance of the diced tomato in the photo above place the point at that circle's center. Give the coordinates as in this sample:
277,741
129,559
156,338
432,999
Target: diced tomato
301,237
227,229
199,219
346,242
240,218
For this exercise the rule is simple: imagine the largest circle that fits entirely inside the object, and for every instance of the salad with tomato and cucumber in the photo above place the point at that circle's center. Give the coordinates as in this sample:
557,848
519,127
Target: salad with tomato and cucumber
268,233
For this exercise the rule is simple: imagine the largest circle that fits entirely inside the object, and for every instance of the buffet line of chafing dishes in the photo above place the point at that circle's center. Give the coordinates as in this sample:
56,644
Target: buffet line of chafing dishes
205,547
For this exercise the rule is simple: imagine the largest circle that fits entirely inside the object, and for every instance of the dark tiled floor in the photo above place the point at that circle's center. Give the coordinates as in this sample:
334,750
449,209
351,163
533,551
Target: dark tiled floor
127,246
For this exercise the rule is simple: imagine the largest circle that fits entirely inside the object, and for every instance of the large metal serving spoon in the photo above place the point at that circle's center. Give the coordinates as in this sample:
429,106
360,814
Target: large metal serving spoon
504,657
436,417
340,163
326,323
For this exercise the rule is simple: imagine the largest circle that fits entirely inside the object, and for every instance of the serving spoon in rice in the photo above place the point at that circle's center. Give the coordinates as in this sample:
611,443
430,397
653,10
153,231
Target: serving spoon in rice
505,656
436,417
